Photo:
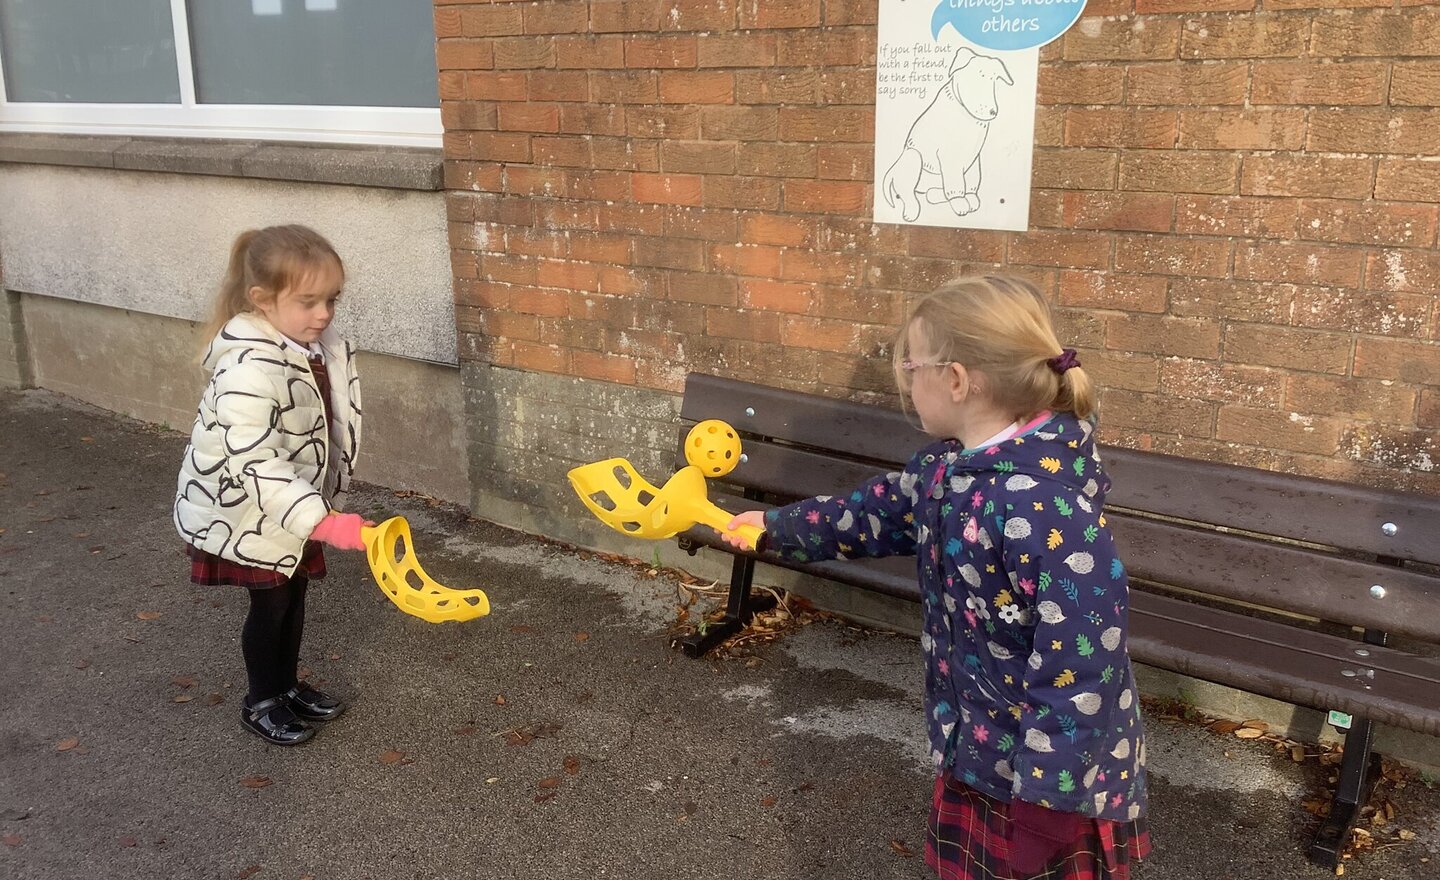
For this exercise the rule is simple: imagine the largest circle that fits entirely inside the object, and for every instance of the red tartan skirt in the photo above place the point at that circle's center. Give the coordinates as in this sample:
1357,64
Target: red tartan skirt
969,839
209,570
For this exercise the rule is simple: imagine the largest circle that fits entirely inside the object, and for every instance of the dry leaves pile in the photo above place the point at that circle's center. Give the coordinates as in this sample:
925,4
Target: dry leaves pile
1376,828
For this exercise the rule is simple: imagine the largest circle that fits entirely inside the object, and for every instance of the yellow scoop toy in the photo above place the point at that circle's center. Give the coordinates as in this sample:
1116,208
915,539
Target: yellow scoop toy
391,555
622,499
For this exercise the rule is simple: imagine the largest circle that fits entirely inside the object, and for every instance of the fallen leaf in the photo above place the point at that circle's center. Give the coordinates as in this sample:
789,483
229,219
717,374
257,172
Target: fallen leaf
392,756
582,637
302,673
465,730
248,872
1406,834
67,744
128,841
12,840
256,781
147,615
82,664
900,847
335,656
1256,724
87,439
522,628
183,698
768,800
1249,733
1225,727
98,548
550,782
44,618
1297,753
184,681
214,700
492,780
499,699
572,764
544,796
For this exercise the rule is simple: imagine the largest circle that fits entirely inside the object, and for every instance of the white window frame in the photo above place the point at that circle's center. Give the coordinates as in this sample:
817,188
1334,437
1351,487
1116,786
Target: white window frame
394,126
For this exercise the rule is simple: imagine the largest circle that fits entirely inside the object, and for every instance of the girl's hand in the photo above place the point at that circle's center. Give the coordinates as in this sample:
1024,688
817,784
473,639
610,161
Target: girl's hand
754,518
341,531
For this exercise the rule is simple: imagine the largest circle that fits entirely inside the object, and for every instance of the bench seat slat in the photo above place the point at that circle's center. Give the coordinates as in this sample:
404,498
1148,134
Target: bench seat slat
1280,661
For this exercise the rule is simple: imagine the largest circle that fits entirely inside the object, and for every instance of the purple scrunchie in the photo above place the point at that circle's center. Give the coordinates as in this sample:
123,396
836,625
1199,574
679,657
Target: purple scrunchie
1063,361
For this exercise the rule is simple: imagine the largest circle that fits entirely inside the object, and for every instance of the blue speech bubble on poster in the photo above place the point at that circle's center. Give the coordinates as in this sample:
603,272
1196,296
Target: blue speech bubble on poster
1007,25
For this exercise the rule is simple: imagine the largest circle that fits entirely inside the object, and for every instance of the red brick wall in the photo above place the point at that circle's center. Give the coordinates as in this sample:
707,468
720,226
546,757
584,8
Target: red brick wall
1233,210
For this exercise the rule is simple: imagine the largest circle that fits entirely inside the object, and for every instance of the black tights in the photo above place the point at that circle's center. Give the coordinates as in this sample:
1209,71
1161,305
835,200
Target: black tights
271,638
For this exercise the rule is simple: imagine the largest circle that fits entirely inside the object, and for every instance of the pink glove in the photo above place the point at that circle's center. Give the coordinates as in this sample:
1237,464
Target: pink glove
340,530
1039,834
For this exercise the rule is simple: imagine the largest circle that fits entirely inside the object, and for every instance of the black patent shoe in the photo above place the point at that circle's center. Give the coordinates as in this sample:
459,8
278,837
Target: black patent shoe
273,721
313,705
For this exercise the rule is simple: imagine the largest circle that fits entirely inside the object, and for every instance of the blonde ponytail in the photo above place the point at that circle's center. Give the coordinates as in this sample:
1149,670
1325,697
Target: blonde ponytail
234,295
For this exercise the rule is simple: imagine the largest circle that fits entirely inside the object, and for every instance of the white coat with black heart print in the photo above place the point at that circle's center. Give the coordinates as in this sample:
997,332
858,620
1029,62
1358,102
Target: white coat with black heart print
264,466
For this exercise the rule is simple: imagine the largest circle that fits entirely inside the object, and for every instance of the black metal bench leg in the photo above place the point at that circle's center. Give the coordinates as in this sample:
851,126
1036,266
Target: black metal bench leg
1358,771
737,612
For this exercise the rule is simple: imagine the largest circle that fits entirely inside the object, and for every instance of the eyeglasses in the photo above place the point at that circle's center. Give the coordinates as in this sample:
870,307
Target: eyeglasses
910,366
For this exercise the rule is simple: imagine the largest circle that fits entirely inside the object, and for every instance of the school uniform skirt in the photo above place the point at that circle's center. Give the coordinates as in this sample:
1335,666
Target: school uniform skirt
969,839
210,570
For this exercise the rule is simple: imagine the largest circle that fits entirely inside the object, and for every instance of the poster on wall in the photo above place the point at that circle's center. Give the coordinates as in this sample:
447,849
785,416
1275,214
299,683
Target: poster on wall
955,88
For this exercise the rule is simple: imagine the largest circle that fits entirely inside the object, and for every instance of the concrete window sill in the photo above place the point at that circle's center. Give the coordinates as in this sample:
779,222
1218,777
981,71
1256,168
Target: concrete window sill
388,167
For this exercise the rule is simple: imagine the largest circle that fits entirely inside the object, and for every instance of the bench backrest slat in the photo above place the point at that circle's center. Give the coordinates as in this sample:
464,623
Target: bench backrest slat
1292,578
792,472
1269,503
1295,508
858,430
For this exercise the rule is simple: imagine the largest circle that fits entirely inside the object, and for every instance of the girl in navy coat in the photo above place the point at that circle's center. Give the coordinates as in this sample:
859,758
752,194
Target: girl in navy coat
1033,719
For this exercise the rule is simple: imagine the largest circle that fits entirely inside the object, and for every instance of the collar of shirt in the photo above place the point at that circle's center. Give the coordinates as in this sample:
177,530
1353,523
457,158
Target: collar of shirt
1015,428
311,351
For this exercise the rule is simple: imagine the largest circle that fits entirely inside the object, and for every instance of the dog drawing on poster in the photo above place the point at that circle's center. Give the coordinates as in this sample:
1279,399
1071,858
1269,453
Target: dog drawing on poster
941,159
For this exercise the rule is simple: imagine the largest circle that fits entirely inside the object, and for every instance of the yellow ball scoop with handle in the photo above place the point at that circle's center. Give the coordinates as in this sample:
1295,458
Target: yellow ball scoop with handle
391,554
623,500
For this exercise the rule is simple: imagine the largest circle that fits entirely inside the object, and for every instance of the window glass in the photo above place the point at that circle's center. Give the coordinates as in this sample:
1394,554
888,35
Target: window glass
360,53
92,51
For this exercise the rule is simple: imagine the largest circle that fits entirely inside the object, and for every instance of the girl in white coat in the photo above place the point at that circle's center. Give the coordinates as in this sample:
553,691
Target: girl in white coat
270,459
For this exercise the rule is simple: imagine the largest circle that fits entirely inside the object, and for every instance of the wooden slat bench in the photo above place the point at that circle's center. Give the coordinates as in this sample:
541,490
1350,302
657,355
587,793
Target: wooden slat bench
1285,586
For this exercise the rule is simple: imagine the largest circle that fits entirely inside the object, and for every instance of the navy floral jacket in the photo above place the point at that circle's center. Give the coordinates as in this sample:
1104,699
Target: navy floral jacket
1028,686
